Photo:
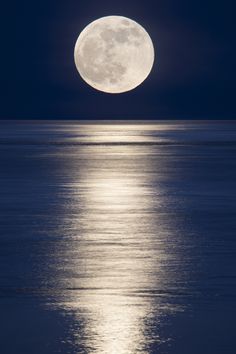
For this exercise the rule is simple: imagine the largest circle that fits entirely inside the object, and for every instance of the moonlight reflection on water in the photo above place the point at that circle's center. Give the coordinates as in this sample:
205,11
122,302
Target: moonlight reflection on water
115,251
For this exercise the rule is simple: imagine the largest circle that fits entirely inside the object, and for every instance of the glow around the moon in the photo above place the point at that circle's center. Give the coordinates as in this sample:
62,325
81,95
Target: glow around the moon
114,54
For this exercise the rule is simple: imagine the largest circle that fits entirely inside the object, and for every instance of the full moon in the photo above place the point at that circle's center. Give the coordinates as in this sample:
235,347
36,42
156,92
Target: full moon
114,54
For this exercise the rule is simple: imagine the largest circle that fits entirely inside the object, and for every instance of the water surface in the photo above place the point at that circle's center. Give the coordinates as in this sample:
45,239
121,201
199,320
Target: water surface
118,238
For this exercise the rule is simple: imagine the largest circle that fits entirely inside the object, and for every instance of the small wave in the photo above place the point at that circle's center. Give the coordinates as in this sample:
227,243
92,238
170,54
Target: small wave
116,143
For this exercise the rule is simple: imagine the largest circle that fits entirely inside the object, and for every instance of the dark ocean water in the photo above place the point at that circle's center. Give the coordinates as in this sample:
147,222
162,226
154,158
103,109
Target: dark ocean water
118,238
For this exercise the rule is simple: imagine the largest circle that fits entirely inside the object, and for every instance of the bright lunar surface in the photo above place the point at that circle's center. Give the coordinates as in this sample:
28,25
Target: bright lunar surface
114,54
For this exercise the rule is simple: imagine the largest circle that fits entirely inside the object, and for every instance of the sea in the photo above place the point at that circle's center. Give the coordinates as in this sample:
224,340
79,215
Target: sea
117,237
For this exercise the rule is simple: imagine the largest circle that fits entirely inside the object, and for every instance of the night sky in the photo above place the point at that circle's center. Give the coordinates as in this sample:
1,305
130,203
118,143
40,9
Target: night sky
193,77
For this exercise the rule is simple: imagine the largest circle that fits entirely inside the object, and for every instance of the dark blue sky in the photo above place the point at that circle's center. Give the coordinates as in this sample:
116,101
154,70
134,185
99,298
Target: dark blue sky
193,77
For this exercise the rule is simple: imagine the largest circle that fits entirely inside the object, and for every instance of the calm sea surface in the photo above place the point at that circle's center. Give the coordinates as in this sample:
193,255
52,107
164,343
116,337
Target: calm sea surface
118,238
